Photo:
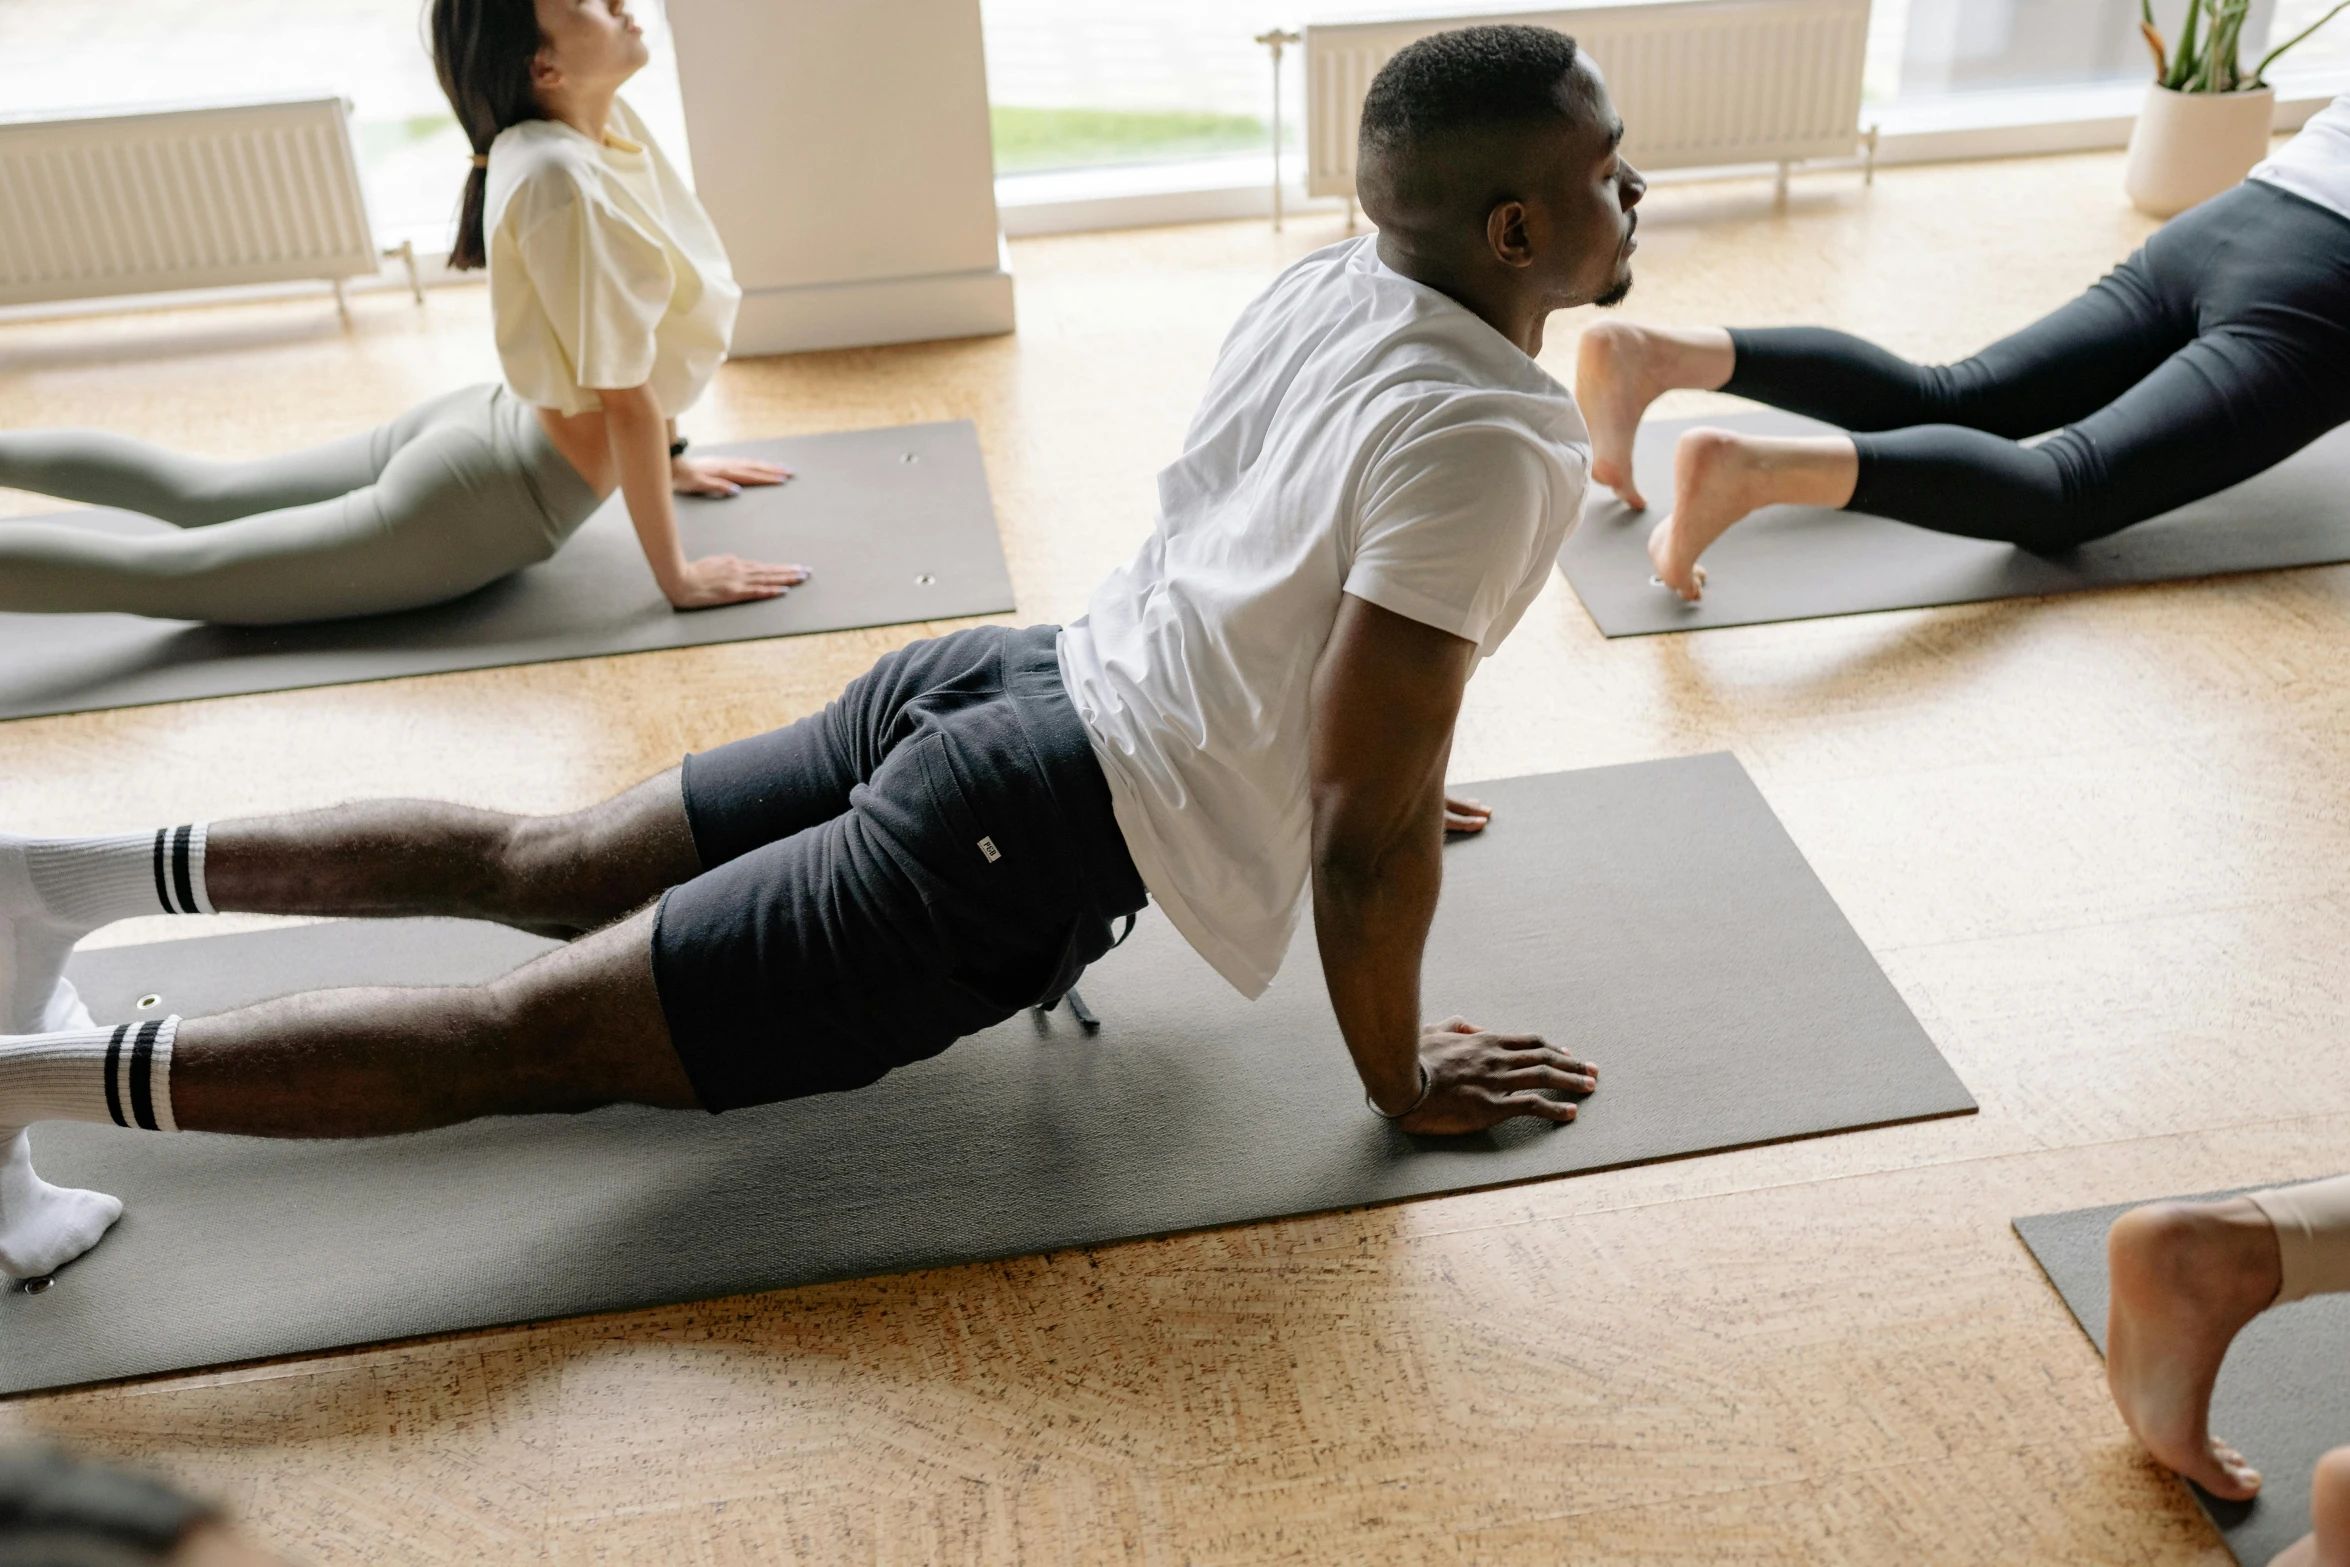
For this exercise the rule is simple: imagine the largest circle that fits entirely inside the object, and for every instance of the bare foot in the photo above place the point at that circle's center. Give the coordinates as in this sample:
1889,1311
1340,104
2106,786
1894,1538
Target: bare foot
2328,1545
1622,367
1713,487
1614,384
1719,478
2186,1277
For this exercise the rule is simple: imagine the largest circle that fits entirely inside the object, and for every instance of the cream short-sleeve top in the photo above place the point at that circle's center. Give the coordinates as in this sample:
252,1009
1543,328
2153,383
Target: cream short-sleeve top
605,272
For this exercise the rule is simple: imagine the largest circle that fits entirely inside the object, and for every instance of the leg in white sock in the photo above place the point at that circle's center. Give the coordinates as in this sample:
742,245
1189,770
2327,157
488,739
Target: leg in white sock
44,1227
54,891
120,1074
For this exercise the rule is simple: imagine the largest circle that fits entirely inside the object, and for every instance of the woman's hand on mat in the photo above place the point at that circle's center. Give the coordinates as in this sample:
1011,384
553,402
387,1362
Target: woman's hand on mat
722,476
729,579
1478,1078
1466,815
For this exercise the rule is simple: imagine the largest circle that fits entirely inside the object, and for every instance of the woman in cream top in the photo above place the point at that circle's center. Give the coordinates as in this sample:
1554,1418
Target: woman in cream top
612,294
604,270
613,303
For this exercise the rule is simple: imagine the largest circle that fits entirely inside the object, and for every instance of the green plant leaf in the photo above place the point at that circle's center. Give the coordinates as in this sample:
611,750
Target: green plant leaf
2260,72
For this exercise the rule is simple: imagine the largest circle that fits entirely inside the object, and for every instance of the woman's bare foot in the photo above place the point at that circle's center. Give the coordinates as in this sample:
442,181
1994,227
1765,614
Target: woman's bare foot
2328,1545
1719,478
1620,368
2186,1277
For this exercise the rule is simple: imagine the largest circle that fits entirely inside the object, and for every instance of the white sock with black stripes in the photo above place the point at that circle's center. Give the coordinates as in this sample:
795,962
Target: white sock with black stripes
55,891
120,1074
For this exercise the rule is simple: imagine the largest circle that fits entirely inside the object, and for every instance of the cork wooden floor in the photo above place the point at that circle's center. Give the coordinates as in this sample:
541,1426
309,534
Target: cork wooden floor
2098,843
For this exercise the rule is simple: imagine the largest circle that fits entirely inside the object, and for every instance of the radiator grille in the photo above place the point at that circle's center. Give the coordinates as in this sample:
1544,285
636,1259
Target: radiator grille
197,198
1698,82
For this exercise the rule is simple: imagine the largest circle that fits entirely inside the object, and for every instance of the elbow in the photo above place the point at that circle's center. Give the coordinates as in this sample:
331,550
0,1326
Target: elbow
1349,872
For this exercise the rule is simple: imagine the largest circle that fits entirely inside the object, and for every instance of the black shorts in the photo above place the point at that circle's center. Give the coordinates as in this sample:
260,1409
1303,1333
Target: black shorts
930,854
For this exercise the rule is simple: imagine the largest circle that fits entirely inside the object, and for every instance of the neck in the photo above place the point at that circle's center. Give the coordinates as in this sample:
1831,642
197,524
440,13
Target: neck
1492,300
586,110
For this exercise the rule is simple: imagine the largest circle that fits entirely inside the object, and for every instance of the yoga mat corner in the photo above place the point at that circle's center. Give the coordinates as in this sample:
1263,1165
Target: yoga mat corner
2283,1396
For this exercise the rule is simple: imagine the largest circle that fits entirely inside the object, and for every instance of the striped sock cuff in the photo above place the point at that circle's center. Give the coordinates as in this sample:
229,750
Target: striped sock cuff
138,1075
120,1074
88,882
178,863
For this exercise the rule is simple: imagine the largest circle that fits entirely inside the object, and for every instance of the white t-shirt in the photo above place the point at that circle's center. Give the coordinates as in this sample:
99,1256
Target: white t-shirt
1361,434
605,271
2315,165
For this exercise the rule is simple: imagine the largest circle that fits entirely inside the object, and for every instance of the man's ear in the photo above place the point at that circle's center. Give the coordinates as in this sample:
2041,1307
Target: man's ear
1505,234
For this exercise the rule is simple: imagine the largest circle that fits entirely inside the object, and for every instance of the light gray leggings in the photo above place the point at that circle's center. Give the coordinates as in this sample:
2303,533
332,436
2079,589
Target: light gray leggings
447,497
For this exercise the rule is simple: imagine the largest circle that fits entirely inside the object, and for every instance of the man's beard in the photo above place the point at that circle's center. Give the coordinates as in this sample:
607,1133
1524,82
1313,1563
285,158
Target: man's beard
1615,295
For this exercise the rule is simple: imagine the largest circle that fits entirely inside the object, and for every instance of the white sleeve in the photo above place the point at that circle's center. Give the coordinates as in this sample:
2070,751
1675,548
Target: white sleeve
1449,524
604,284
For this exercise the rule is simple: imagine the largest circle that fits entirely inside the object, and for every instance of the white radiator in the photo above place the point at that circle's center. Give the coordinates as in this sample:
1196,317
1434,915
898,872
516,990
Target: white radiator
191,198
1700,83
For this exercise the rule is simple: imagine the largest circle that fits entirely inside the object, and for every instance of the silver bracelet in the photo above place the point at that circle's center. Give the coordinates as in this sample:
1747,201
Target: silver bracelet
1427,1085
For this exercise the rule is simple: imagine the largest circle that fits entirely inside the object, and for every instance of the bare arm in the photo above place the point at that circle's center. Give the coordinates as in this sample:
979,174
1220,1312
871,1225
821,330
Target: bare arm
639,438
1385,697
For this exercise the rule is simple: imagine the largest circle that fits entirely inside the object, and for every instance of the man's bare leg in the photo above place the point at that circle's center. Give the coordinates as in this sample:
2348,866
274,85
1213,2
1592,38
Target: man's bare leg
556,875
1719,478
2328,1543
2186,1277
574,1030
1621,367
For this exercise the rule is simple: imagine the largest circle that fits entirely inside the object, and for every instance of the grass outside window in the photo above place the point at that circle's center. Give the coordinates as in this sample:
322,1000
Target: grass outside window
1034,141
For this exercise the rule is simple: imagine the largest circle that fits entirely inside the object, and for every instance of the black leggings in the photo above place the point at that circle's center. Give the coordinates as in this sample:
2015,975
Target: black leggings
2215,352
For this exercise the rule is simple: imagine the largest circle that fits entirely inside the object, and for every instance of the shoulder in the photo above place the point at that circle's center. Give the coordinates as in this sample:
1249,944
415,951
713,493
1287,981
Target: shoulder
538,168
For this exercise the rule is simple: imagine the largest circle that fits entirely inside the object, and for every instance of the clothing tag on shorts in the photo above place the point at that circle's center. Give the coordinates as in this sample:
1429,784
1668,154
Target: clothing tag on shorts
988,848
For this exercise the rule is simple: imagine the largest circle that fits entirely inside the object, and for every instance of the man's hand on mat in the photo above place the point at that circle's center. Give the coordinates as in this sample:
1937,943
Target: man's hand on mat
729,579
1466,815
722,476
1477,1079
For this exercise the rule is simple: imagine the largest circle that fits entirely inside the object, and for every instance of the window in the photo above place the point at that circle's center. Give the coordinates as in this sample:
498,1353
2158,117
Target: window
64,57
1078,84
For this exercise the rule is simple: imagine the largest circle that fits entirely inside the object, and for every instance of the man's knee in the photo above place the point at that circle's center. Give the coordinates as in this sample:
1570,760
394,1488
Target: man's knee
582,1026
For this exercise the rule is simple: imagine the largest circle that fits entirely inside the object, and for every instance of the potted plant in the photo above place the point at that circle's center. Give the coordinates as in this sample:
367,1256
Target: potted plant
2206,120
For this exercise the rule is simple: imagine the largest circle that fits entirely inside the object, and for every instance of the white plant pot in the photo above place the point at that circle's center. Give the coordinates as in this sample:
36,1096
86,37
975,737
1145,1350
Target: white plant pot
2189,146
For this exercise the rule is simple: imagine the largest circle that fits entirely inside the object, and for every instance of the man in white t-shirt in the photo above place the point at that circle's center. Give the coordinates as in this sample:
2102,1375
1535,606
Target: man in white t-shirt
1373,491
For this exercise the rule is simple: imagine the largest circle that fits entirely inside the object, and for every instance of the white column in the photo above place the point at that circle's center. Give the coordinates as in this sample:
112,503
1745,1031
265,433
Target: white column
842,148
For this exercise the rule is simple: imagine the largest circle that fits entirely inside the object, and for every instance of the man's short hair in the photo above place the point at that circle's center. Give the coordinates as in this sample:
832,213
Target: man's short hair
1470,79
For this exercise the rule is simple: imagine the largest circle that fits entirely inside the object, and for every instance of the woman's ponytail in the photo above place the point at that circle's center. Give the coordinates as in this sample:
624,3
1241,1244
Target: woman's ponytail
482,50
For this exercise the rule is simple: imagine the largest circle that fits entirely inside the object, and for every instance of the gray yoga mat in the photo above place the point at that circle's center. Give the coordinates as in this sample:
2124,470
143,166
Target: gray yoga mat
1656,916
1803,562
895,524
2283,1396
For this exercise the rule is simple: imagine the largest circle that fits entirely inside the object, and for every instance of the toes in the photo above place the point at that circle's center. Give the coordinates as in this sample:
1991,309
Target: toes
2237,1468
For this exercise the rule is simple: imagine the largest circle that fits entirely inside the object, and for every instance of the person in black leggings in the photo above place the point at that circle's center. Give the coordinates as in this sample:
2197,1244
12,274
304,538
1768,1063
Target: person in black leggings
2216,351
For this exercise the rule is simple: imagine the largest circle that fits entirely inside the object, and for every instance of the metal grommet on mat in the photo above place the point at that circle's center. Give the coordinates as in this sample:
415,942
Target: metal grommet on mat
149,1002
925,580
38,1286
911,457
